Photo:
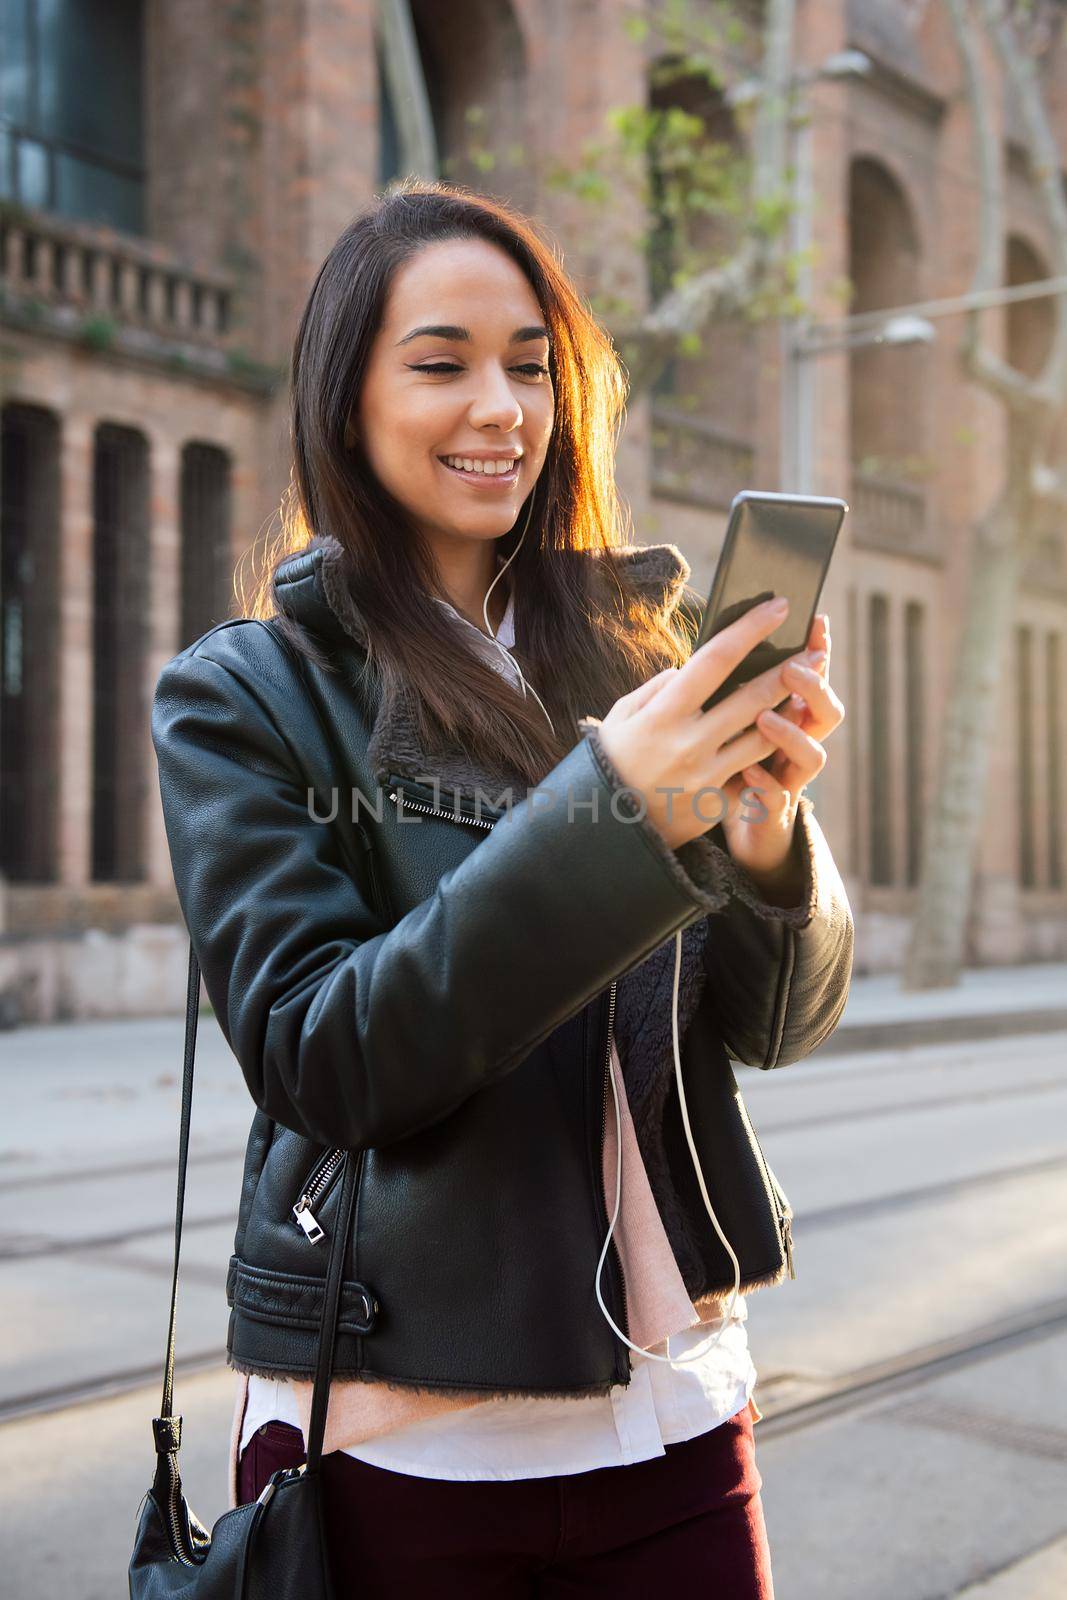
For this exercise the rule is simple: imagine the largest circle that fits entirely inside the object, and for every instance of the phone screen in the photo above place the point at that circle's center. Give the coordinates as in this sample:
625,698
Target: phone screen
775,544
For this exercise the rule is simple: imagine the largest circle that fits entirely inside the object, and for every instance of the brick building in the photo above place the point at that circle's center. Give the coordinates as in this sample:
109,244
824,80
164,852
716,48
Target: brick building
170,178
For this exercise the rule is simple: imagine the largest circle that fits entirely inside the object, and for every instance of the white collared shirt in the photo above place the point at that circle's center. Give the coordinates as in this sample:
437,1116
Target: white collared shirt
501,660
520,1437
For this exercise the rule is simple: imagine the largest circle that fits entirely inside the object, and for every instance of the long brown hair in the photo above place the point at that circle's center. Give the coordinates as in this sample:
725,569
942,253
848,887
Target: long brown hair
579,640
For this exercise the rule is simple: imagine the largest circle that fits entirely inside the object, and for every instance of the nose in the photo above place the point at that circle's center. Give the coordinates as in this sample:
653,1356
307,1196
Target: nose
495,402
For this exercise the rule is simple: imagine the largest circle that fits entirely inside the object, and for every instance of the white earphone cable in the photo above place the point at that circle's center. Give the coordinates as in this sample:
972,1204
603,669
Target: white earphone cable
726,1318
648,1355
485,613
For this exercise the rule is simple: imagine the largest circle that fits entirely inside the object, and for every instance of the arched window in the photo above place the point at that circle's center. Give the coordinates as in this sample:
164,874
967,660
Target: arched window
704,401
29,645
1029,323
474,63
915,692
120,631
1054,667
1025,775
1029,329
880,769
206,561
887,387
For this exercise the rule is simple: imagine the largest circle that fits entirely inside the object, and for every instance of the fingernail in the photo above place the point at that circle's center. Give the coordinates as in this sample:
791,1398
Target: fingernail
779,603
816,656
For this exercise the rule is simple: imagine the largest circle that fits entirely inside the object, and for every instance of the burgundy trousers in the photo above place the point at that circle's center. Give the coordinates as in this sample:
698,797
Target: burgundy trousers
693,1516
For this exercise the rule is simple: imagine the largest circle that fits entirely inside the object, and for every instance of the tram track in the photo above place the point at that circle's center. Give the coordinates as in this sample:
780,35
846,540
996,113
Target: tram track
17,1183
817,1400
908,1108
29,1248
852,1391
144,1166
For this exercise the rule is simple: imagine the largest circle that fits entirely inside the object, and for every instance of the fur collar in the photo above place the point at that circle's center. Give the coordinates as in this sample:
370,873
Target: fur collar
313,587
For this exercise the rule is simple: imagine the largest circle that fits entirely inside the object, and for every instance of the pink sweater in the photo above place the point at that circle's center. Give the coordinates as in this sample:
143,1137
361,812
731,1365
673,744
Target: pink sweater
657,1305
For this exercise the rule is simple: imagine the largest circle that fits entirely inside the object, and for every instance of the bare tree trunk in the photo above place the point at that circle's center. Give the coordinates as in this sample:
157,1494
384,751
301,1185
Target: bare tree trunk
935,953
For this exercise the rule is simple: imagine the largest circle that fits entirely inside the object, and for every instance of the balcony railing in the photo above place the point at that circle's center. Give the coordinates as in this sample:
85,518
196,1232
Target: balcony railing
81,278
695,462
887,514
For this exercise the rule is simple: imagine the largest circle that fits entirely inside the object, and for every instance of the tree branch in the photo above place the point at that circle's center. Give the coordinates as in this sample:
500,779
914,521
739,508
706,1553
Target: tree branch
727,287
982,363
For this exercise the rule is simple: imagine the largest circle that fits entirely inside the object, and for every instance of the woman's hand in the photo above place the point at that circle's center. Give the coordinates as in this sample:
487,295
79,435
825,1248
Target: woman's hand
670,752
759,826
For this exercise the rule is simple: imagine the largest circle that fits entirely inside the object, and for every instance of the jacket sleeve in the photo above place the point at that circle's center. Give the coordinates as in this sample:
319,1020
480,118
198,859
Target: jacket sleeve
778,976
353,1034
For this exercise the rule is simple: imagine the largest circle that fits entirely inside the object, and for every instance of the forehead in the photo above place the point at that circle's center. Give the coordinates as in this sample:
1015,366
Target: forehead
466,281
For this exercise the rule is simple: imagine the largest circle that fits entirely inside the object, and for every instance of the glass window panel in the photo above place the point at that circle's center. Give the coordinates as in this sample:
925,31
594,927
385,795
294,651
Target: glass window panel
14,63
7,188
93,193
90,76
31,182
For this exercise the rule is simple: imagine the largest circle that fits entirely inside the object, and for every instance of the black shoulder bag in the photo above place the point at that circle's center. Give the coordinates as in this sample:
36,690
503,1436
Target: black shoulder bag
275,1545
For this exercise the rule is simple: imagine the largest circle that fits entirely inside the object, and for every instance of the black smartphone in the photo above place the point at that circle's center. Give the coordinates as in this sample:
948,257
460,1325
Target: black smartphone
774,544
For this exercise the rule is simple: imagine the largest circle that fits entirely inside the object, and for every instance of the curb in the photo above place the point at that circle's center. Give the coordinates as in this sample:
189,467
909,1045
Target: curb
942,1030
1041,1575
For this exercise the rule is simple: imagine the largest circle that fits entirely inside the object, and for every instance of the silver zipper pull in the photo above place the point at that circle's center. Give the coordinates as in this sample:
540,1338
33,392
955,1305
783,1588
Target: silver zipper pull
305,1217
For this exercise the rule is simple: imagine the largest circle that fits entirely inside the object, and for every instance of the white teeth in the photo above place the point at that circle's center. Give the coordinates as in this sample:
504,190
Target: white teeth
489,468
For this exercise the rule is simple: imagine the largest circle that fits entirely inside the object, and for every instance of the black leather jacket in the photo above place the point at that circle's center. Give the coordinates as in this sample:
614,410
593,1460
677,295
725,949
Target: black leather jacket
432,987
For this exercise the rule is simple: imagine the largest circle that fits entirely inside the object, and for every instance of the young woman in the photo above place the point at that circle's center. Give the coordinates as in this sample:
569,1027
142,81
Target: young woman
444,815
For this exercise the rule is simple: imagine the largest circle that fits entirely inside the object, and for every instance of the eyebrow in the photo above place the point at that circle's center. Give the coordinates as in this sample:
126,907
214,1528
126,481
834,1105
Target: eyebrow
450,330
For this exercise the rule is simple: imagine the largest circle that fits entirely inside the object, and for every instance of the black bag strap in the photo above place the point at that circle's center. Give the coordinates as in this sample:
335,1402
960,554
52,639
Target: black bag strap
166,1427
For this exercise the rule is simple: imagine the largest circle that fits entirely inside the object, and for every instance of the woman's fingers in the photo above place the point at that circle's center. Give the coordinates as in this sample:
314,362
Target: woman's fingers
824,709
713,663
801,757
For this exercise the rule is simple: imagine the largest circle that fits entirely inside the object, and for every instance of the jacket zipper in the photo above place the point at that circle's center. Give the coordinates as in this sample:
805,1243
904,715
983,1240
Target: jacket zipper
314,1188
323,1174
603,1127
456,813
783,1211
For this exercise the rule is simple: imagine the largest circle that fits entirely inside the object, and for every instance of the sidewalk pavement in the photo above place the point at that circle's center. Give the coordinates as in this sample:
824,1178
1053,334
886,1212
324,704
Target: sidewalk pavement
1041,1575
987,1002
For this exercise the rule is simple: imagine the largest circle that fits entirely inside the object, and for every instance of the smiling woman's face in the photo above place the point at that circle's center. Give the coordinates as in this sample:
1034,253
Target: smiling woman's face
493,398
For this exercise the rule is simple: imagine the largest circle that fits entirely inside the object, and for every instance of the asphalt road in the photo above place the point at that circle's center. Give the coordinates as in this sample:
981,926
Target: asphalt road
913,1377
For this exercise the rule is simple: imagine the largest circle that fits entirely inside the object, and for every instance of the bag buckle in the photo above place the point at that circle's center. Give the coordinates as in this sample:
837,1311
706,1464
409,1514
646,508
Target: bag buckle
167,1432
